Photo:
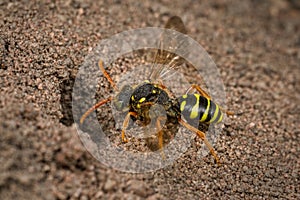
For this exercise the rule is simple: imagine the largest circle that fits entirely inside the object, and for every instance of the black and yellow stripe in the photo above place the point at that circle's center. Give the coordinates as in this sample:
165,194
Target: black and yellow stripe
195,107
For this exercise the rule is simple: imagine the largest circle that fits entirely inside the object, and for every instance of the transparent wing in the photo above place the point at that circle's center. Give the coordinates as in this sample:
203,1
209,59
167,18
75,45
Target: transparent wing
165,62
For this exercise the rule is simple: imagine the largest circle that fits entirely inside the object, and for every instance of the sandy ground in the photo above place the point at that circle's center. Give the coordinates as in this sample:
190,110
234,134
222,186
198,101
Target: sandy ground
256,46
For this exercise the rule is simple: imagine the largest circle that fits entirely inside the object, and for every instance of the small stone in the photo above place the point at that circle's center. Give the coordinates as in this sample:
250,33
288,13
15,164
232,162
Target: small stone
40,86
110,185
46,168
77,193
84,197
24,179
251,125
99,194
60,195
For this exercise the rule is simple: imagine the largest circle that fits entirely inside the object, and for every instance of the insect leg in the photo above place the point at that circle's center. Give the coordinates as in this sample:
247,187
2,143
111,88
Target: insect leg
203,137
200,90
160,136
100,64
226,111
94,107
125,124
163,87
100,103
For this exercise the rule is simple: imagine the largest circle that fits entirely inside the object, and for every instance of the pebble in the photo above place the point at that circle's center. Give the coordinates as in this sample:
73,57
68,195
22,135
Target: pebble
110,185
251,125
40,86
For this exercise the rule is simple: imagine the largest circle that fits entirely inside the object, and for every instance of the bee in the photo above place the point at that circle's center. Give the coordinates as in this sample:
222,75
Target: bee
142,102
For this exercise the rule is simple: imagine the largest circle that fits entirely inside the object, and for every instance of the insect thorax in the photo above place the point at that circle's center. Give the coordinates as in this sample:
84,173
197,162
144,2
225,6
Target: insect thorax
147,95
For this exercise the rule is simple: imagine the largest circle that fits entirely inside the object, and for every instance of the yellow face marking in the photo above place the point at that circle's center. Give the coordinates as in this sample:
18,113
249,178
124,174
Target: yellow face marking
215,114
153,91
205,114
194,112
132,98
184,96
147,81
182,106
138,105
142,100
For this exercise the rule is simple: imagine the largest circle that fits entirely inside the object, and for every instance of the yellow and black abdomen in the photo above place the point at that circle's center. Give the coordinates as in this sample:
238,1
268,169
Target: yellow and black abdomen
196,108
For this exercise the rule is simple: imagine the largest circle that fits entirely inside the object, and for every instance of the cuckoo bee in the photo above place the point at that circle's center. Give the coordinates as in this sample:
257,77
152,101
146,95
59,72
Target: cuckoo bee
187,110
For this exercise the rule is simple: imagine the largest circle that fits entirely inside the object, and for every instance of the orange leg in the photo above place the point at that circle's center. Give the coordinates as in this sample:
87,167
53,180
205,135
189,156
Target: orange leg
226,111
94,107
162,86
147,104
203,137
200,90
100,64
100,103
125,124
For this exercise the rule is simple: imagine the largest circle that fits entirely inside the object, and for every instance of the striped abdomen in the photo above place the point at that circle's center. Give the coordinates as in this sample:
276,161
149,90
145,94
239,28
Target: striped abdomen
195,107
